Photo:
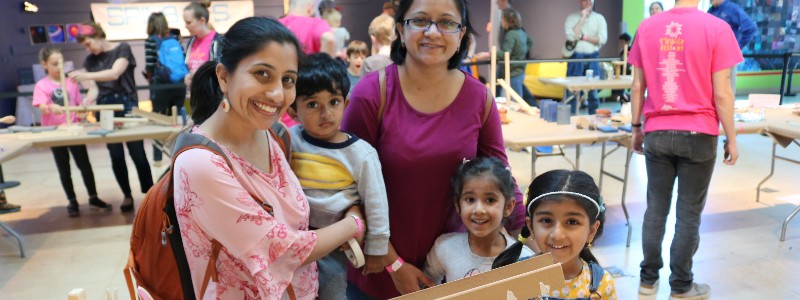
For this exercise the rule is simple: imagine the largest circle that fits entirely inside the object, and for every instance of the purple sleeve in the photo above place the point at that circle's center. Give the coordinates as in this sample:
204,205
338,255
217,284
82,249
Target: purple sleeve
725,52
490,143
361,115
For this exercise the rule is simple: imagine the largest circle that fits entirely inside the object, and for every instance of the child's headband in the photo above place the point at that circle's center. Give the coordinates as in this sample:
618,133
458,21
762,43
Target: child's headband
601,207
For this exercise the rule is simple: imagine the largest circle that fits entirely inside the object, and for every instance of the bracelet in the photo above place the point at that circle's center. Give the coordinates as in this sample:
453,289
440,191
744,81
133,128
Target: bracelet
395,265
359,225
584,37
636,125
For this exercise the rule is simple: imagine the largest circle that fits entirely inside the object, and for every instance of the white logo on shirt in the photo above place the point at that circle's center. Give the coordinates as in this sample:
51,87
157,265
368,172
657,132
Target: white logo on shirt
671,66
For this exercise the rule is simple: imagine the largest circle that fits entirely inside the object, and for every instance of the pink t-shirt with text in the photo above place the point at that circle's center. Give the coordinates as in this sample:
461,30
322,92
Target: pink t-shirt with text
43,94
679,50
308,31
201,47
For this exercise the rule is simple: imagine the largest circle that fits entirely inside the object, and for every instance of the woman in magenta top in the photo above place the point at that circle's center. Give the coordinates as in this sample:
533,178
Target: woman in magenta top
431,122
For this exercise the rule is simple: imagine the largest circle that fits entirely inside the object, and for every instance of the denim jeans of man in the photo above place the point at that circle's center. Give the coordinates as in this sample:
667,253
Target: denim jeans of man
688,157
579,69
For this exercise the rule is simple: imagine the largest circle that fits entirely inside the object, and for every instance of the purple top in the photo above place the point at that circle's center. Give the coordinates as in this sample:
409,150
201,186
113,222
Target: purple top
419,153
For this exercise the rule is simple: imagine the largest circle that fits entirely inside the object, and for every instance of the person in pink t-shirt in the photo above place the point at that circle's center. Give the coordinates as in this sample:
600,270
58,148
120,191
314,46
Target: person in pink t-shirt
314,34
204,43
682,58
48,96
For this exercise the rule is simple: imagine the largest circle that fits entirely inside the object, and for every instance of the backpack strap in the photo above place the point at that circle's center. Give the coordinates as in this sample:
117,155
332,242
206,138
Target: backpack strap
211,269
487,107
281,134
382,83
597,276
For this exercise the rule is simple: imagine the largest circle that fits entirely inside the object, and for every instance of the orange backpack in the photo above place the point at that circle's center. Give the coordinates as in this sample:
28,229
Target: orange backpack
157,260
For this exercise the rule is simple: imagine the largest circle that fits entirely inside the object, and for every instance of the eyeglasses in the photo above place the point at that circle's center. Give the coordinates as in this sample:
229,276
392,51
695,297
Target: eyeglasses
443,26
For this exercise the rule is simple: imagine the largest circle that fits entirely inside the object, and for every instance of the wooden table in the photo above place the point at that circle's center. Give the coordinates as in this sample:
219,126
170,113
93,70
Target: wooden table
784,128
576,84
14,144
530,131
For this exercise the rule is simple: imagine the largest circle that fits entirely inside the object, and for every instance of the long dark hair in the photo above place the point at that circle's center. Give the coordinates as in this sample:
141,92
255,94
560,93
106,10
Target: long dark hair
246,37
560,181
399,52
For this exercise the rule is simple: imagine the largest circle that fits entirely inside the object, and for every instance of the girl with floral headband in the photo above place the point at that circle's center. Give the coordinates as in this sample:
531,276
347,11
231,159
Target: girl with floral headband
565,214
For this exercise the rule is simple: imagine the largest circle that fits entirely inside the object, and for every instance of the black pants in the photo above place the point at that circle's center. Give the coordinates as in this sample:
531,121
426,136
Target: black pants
163,101
135,150
120,167
81,157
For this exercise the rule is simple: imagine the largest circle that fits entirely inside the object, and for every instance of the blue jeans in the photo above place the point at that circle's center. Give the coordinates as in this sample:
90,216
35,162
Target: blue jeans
579,69
333,276
516,85
690,158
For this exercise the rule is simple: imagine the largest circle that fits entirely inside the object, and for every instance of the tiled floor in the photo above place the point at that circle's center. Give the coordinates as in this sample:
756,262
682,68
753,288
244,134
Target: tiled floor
740,255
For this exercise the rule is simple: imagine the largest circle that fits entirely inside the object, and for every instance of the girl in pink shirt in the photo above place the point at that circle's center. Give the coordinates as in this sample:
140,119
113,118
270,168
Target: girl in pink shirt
49,98
263,255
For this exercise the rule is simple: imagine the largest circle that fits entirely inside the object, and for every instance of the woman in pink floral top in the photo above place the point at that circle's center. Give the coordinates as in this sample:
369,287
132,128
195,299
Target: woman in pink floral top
239,99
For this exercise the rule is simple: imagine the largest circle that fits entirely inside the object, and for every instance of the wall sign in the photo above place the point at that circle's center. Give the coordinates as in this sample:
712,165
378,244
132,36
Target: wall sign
129,21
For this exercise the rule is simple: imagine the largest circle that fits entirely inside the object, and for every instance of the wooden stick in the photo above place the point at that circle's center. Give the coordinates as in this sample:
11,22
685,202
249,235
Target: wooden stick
64,92
625,60
512,95
493,71
155,117
99,107
507,63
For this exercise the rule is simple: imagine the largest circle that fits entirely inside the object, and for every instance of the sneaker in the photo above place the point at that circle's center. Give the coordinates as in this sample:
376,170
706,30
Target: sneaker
98,205
648,289
6,207
697,292
158,164
127,204
72,209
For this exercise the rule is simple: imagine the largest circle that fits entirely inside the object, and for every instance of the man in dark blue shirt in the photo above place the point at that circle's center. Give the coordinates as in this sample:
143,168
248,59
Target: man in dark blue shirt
742,25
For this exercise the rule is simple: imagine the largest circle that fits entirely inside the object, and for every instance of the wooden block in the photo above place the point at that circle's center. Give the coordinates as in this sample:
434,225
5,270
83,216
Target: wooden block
77,294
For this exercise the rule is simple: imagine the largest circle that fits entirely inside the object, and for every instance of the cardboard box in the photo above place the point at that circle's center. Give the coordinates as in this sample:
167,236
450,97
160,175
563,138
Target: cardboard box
521,280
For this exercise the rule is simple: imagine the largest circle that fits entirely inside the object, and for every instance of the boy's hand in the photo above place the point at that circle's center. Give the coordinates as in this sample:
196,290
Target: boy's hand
374,264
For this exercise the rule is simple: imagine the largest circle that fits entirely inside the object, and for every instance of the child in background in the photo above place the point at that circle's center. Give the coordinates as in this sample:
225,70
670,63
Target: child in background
337,170
565,214
340,34
357,51
484,196
381,33
49,98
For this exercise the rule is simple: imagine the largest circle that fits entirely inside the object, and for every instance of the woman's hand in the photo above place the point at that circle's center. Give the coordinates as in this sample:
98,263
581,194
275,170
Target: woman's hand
408,279
79,76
